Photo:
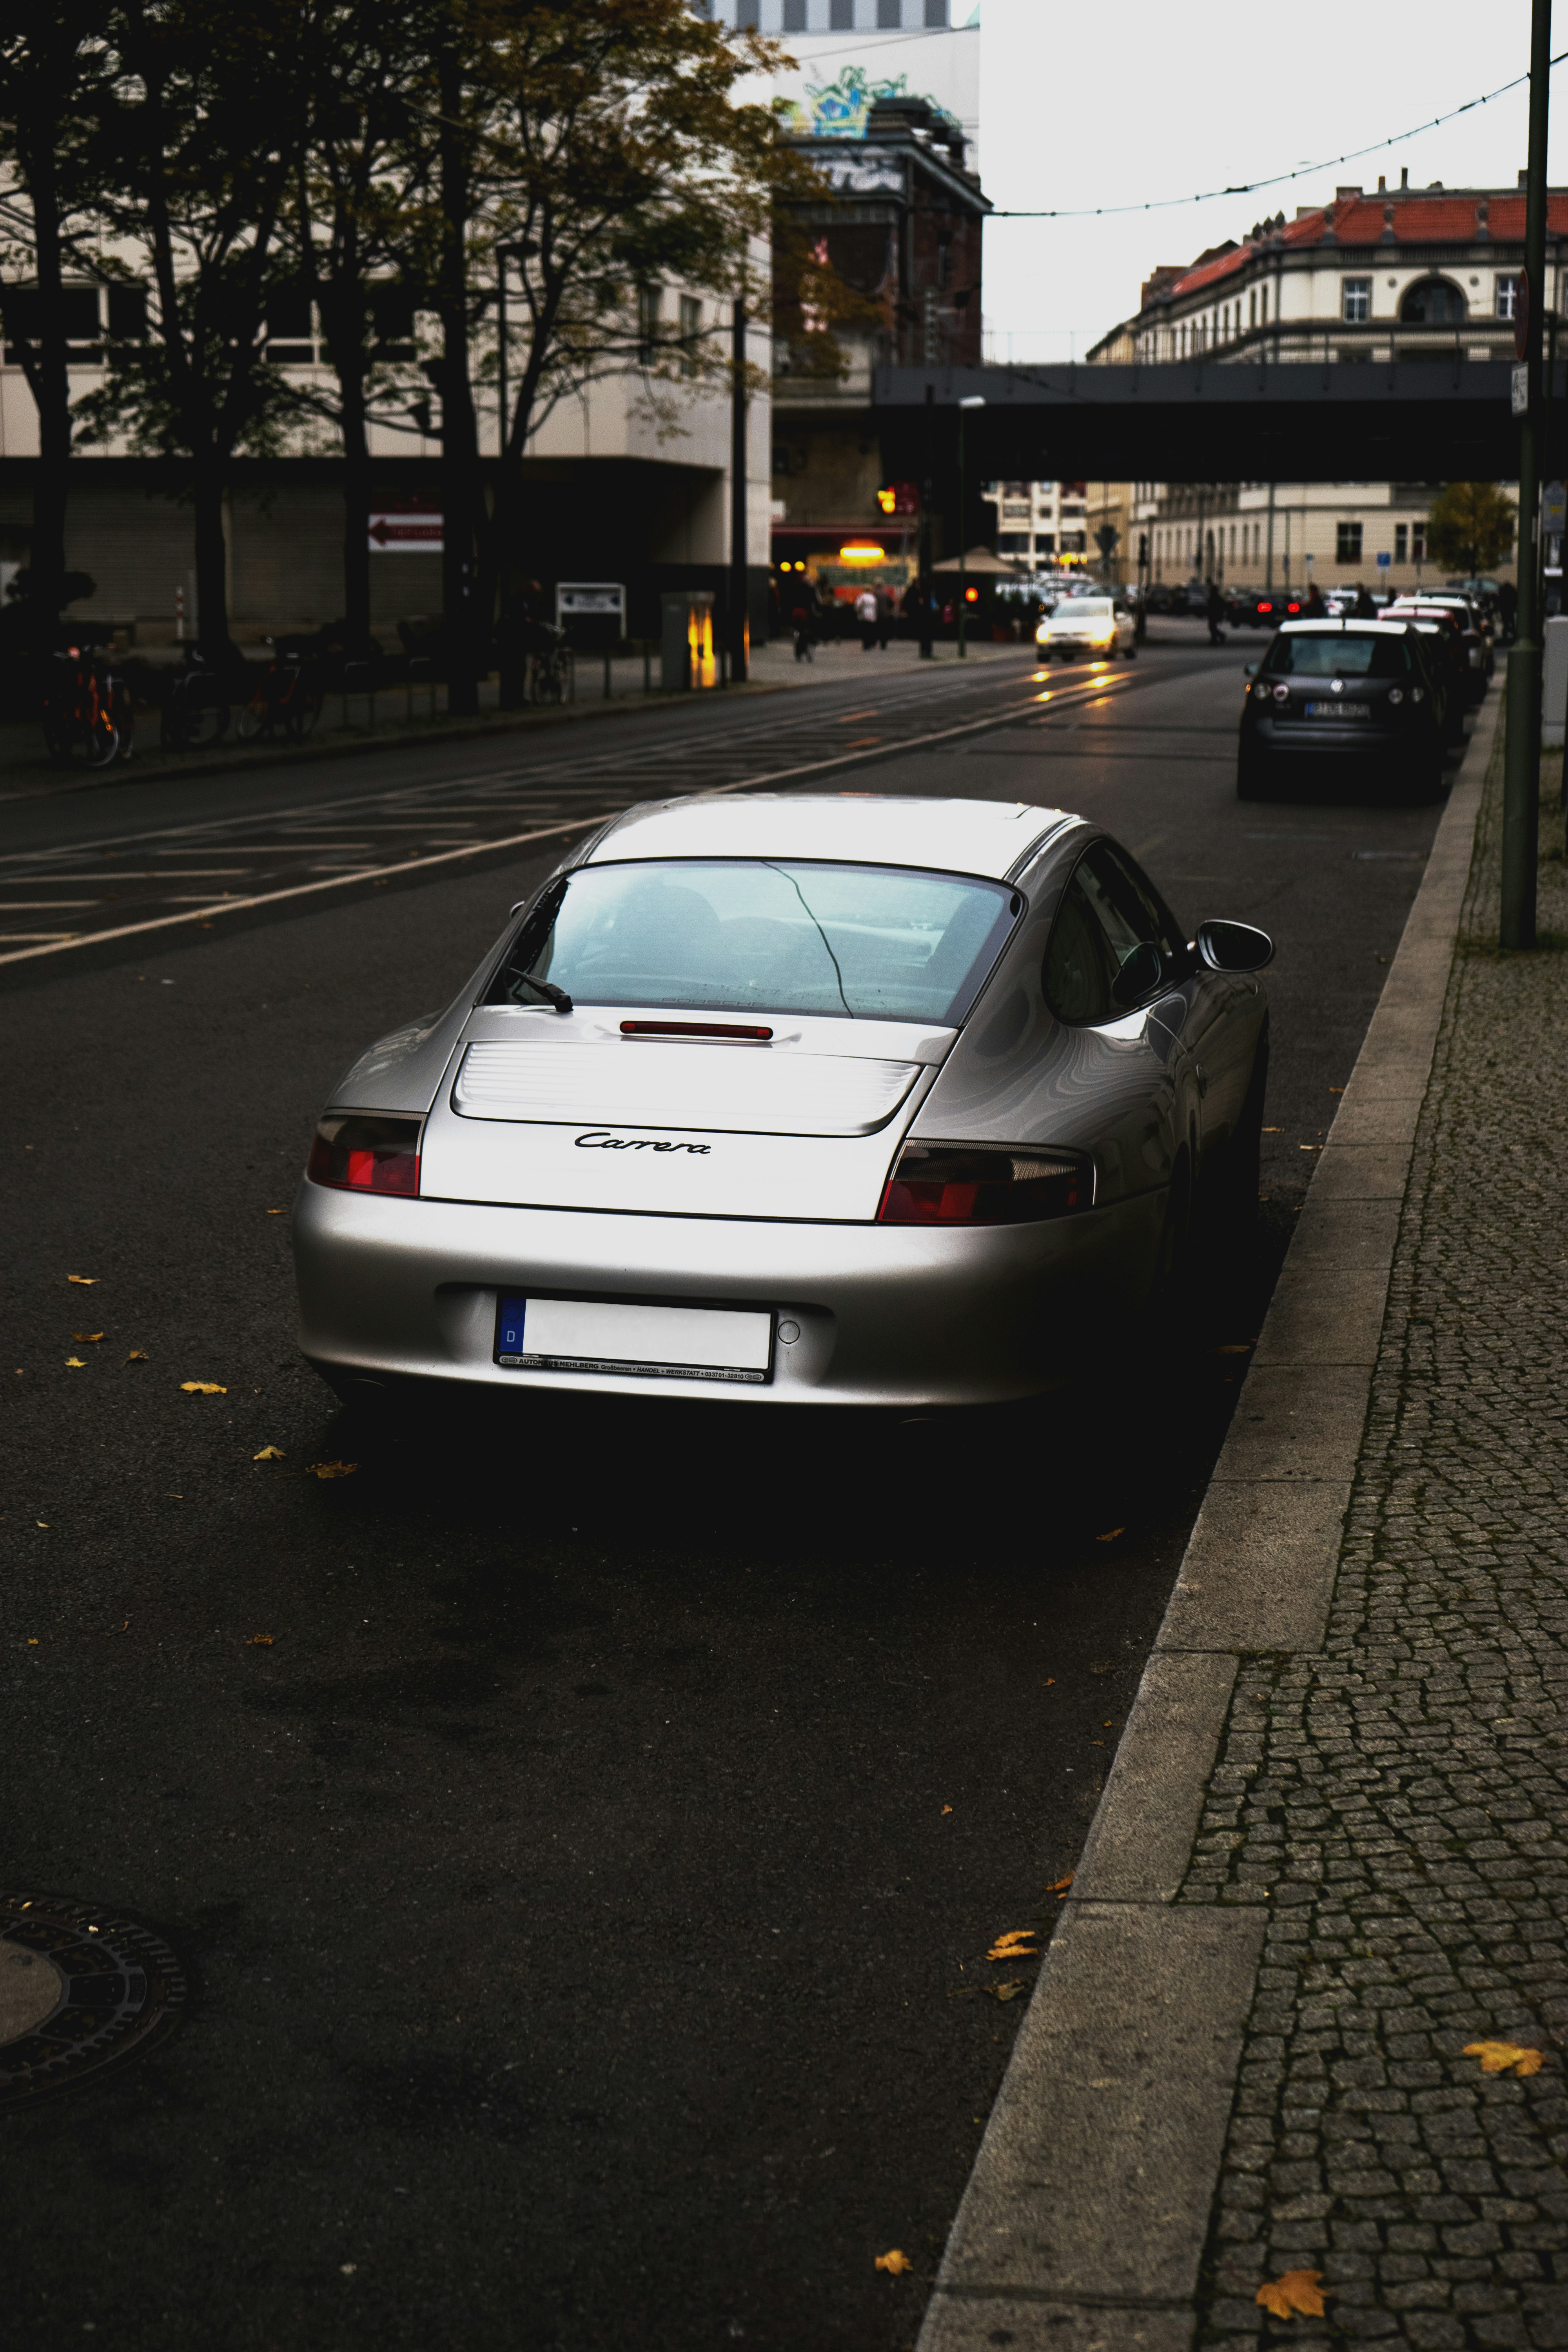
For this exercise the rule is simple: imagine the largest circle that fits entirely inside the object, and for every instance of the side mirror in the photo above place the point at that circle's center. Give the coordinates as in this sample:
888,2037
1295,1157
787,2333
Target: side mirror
1139,976
1252,669
1232,947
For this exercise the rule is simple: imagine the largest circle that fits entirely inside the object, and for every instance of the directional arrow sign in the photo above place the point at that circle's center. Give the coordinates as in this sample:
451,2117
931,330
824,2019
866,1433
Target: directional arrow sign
405,534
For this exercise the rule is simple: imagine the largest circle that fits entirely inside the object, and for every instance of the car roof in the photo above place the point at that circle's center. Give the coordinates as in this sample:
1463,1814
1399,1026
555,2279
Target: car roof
954,836
1346,628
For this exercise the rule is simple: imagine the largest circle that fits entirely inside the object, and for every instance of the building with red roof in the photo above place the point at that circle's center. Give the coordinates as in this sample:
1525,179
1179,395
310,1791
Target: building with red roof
1410,274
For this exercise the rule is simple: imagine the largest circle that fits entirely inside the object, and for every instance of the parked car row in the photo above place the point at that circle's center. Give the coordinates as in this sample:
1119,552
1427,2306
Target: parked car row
1377,700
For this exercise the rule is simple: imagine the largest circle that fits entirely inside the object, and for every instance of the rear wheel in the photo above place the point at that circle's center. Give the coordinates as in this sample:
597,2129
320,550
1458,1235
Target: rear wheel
303,712
92,740
203,713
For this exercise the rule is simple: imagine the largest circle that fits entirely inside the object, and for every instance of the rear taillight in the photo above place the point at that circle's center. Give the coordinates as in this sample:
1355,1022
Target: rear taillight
361,1152
984,1184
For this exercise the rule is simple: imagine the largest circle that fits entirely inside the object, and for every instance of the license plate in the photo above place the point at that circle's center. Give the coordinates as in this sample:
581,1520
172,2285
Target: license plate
1339,710
607,1334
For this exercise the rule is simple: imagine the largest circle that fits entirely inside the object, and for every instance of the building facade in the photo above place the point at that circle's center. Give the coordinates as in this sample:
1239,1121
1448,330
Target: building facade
1042,526
628,483
1425,275
900,226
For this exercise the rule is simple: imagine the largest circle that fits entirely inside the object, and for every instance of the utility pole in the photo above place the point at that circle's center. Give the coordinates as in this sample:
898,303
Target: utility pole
1521,755
460,452
927,649
1268,575
975,400
740,536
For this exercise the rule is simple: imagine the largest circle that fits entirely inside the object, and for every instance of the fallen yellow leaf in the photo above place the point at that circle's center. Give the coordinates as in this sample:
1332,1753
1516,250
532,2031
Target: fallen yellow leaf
76,1364
271,1453
203,1388
1497,2057
1007,1991
947,1809
1110,1536
1296,2290
137,1356
86,1280
277,1213
43,1523
1061,1885
261,1640
1018,1943
331,1469
88,1339
895,2261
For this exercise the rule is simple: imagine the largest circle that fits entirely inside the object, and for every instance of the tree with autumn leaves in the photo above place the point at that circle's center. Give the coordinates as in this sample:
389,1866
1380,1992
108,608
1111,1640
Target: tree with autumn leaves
1472,526
385,163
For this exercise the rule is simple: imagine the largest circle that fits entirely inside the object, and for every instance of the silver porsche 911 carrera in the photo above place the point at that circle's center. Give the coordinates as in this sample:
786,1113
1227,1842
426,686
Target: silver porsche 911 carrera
826,1099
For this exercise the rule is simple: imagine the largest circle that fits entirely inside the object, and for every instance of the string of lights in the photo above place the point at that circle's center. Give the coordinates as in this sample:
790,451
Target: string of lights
1278,179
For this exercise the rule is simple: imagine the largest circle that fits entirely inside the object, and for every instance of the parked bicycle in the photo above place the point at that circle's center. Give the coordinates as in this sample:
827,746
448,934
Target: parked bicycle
550,668
285,699
196,705
88,717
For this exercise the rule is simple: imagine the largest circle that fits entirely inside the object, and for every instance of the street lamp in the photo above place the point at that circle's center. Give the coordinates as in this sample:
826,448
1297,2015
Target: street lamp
975,400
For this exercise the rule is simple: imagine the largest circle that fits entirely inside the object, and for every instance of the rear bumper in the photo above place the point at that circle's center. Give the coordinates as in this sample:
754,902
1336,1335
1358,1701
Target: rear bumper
889,1315
1351,745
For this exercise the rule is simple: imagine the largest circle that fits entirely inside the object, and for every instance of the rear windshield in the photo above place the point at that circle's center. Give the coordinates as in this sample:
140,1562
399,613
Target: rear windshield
863,942
1338,657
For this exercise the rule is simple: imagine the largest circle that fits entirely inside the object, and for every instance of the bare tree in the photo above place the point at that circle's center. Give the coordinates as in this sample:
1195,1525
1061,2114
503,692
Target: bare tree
200,146
595,152
366,167
52,65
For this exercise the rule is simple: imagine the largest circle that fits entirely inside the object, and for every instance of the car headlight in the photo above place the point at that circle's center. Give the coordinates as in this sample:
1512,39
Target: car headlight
360,1151
1396,694
984,1184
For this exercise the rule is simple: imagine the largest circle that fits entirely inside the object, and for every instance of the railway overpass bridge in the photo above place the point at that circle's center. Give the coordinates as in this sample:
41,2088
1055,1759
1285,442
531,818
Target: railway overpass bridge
1424,421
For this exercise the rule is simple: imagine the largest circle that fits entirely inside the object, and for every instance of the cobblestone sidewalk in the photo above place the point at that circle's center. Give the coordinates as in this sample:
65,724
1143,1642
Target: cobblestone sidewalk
1399,1800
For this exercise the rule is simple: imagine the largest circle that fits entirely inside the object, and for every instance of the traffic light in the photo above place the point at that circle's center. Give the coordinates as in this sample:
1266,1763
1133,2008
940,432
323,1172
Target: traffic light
898,498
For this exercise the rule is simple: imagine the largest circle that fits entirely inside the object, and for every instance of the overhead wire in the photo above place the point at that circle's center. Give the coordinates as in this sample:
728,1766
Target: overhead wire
1301,170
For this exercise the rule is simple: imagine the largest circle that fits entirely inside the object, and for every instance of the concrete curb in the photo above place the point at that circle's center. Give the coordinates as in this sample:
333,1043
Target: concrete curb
1084,2222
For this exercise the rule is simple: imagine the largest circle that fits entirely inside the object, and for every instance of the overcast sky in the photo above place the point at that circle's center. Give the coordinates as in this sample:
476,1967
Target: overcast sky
1131,100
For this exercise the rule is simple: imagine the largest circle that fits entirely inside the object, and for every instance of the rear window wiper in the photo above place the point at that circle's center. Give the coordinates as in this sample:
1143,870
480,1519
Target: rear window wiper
547,989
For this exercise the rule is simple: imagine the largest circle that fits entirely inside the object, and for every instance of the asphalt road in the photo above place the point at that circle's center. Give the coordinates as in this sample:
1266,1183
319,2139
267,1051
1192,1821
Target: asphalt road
587,1883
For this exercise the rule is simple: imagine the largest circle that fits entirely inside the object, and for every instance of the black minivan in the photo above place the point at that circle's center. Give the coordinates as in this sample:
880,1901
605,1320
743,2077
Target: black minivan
1343,702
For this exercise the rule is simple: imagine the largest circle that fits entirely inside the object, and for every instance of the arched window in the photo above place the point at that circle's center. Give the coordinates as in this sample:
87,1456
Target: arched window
1433,302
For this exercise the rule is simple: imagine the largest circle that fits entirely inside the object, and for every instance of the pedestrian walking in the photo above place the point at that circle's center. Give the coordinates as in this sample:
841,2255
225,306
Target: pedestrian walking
802,619
1508,608
1314,607
1363,609
866,614
1215,609
886,613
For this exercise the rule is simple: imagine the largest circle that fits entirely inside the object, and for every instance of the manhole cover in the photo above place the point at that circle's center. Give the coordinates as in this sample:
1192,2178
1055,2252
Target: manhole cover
79,1989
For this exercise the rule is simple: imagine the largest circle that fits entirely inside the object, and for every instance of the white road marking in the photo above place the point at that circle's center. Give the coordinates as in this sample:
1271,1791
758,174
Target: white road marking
513,841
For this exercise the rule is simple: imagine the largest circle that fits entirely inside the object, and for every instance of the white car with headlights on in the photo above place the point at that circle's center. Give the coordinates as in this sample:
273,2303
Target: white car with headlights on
1088,626
793,1099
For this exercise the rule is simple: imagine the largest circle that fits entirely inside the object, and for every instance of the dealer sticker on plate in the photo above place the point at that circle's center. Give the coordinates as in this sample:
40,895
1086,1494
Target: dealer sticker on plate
610,1335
